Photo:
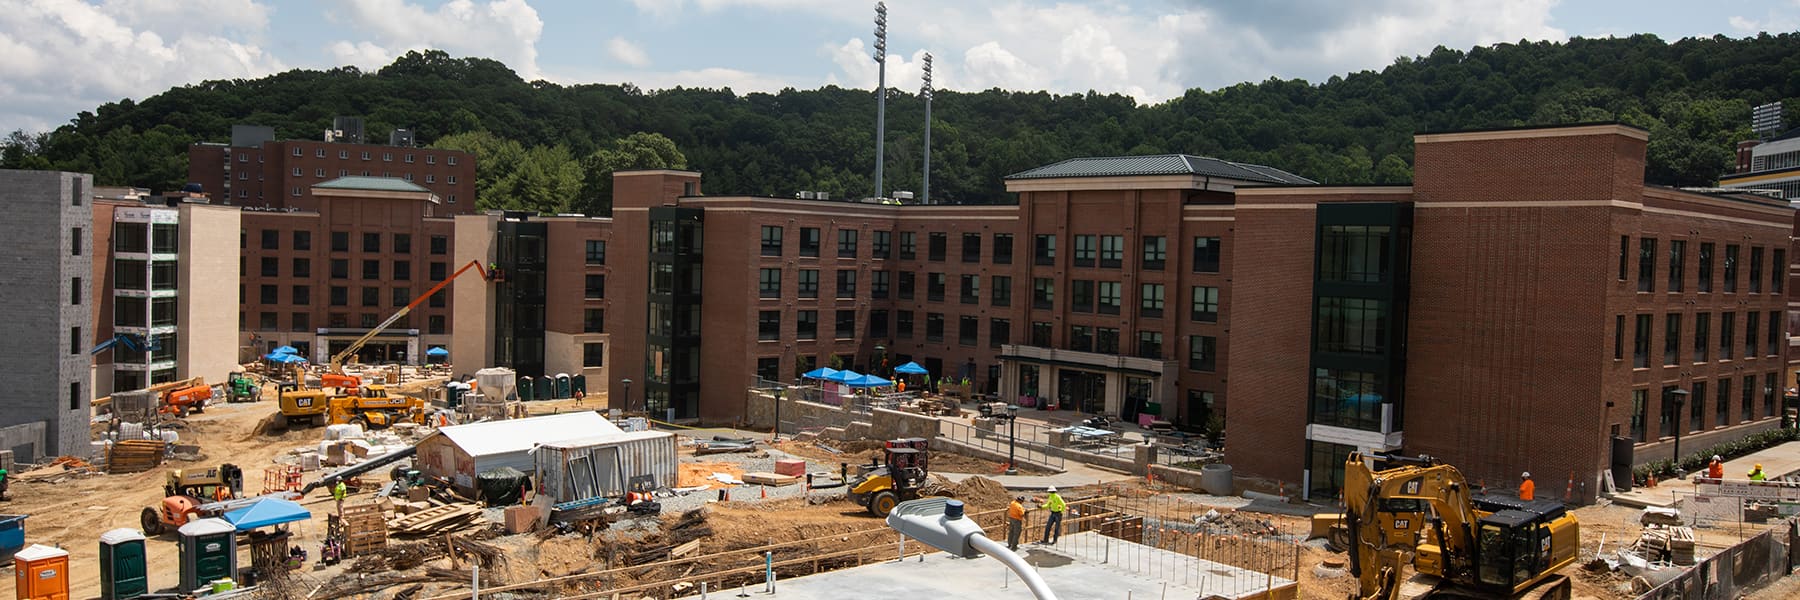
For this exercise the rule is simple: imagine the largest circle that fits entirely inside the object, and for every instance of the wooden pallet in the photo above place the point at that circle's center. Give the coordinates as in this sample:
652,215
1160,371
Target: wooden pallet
365,531
773,479
135,456
437,519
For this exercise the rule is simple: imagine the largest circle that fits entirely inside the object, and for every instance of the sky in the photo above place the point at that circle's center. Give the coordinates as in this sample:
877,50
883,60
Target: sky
59,57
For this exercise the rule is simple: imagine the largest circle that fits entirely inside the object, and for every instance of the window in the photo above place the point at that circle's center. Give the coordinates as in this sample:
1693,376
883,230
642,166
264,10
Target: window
1750,329
1043,293
596,252
296,192
340,295
271,239
371,296
340,268
1156,252
1201,352
1618,337
75,341
809,241
1043,250
593,354
1747,406
906,285
268,321
1002,292
1727,329
809,283
903,323
595,287
1756,266
1081,338
878,286
934,287
1040,334
75,291
1086,248
269,294
371,242
1697,407
1671,418
135,237
1150,299
971,289
908,245
883,244
1775,334
300,322
971,247
439,270
298,172
1351,325
1671,338
1702,337
1206,255
402,270
1624,256
1003,248
593,320
1205,304
302,240
1638,401
1677,260
1706,270
967,330
768,368
999,332
934,327
271,266
319,173
806,326
768,283
435,324
437,299
409,158
847,243
937,246
340,241
878,323
1768,394
440,244
387,157
768,325
1640,345
1731,260
451,160
1150,344
1081,296
1646,265
845,326
1109,297
1722,414
1778,276
402,296
846,283
771,240
1112,251
302,295
164,239
371,269
402,243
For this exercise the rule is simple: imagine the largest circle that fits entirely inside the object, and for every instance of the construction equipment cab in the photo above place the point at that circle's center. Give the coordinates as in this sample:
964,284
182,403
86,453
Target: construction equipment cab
185,491
904,469
372,407
1418,513
299,405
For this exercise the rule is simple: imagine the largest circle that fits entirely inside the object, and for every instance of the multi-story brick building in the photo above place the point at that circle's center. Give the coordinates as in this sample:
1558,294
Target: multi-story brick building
255,169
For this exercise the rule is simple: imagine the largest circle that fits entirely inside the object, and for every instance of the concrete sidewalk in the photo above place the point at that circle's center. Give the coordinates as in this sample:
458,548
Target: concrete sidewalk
1075,474
1778,462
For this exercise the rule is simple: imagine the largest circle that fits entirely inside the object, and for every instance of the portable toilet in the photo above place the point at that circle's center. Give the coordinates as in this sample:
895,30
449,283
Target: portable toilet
546,388
527,387
562,387
41,573
578,384
208,552
122,572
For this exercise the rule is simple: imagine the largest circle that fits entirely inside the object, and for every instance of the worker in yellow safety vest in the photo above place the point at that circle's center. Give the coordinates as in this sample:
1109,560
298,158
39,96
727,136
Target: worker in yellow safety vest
1757,474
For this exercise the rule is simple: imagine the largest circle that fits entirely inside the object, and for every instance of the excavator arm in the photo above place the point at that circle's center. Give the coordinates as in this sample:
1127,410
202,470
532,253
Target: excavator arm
337,360
1420,513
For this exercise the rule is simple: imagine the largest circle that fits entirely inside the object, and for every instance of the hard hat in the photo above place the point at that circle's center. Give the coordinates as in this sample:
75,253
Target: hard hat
1716,457
1050,490
1525,475
1759,466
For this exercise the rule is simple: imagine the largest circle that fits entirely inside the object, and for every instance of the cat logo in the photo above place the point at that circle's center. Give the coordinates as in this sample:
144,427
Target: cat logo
1411,488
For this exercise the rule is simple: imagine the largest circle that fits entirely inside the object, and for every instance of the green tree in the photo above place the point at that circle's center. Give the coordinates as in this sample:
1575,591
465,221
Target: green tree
636,151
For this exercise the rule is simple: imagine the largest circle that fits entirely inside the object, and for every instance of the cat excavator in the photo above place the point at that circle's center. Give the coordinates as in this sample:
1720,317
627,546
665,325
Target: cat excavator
1419,513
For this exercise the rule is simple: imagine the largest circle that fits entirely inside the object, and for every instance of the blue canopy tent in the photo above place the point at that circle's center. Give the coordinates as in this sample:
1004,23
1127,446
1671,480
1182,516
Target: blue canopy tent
285,350
266,512
437,351
868,381
820,373
284,358
844,376
910,368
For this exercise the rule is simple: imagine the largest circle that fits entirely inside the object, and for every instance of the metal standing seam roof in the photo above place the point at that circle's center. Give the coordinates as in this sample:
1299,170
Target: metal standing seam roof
1160,164
520,435
378,184
606,439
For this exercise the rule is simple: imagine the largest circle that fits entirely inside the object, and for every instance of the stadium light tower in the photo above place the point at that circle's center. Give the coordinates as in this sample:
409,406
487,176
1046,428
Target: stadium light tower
880,92
925,189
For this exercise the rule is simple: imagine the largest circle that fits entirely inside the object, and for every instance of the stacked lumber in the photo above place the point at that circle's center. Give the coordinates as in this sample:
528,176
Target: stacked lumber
773,479
365,532
135,456
449,518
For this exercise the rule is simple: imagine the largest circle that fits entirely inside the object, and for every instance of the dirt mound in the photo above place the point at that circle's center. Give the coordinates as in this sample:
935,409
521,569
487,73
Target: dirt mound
981,492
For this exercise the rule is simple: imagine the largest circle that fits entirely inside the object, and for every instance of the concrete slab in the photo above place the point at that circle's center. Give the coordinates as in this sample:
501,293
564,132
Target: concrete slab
1081,565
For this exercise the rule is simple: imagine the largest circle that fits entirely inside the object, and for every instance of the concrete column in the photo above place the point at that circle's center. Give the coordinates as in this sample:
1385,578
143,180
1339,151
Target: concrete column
412,350
1142,456
1114,394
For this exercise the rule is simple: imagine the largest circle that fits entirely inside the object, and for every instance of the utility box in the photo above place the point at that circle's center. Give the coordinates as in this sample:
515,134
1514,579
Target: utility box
208,553
122,568
41,573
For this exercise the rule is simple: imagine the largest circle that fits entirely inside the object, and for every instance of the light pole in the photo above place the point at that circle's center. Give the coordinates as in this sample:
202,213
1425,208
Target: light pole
939,523
775,432
880,92
1678,397
1012,438
925,188
627,403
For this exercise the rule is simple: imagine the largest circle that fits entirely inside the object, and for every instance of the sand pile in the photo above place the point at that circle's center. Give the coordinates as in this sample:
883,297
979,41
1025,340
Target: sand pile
981,492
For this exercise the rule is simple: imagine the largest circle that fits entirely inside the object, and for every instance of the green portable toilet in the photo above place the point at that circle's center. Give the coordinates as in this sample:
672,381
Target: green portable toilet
122,573
578,384
208,553
526,387
546,388
563,387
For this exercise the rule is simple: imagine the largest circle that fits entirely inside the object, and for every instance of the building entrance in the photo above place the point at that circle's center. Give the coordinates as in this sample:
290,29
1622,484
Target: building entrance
1081,390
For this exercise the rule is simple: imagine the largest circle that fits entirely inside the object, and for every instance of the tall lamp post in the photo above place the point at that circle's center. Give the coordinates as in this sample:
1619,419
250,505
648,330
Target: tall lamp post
1678,397
880,92
775,432
1012,438
627,403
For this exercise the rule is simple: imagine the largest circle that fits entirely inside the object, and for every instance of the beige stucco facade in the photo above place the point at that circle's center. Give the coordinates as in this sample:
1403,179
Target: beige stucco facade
208,304
472,306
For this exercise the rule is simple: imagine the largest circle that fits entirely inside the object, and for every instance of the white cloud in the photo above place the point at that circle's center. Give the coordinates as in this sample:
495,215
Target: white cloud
504,30
61,56
1774,21
624,51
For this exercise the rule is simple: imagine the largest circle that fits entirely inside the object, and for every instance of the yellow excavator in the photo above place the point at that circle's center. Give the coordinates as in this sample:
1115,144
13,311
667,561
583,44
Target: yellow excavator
1419,513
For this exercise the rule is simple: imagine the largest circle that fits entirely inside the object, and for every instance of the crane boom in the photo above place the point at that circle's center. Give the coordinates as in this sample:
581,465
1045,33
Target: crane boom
337,360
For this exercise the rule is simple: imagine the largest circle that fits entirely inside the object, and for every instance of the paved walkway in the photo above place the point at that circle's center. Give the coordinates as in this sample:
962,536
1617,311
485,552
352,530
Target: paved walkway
1075,474
1777,462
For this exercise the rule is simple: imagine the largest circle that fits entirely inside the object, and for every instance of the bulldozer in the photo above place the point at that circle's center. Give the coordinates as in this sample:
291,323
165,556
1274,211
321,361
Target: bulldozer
185,491
1419,513
902,474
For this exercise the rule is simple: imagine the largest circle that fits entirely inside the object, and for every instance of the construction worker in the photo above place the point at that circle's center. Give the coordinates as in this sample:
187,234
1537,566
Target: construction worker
2,483
1015,522
338,493
1757,474
1527,489
1053,527
1716,468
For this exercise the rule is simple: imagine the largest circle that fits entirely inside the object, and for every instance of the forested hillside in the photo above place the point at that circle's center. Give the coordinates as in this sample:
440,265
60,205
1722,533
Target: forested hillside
1694,96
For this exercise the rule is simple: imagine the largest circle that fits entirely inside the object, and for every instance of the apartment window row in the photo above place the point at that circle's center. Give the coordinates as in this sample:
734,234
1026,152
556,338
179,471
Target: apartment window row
1729,265
773,240
1755,397
1762,336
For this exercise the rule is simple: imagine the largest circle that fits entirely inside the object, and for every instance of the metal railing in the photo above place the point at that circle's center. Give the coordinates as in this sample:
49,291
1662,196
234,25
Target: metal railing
1023,448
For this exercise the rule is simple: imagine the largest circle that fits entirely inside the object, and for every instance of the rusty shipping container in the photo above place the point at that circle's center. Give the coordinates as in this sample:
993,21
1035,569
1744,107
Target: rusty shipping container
606,465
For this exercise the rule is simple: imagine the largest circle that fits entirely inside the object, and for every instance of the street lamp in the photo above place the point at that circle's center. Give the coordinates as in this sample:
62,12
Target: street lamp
775,432
1678,397
939,522
1012,437
627,403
